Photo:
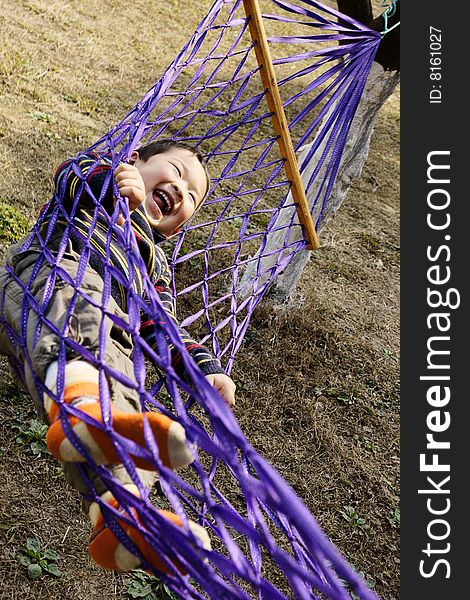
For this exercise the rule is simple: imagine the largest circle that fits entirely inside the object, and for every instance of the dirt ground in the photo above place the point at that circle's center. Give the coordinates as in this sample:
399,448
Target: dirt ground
329,401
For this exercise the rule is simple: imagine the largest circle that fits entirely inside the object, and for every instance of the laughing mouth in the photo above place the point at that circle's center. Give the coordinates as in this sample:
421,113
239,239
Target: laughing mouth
164,201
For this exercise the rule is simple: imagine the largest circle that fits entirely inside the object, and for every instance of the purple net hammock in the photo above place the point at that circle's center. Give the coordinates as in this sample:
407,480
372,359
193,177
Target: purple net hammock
265,542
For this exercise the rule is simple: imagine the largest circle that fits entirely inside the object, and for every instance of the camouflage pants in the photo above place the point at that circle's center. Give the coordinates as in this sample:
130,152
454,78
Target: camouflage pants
33,337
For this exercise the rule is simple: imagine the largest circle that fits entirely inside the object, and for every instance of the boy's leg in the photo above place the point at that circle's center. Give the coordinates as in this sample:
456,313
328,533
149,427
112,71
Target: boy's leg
105,548
38,357
58,329
81,390
80,319
111,553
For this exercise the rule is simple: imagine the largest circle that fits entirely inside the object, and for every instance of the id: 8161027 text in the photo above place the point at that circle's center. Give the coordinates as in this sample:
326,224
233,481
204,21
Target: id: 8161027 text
435,65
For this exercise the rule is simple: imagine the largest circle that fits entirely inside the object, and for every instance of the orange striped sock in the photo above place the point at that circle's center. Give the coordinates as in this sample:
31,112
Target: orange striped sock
81,388
109,553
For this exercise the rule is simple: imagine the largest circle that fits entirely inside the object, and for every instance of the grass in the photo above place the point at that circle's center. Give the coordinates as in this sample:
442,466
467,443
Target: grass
38,561
33,436
142,585
320,375
13,223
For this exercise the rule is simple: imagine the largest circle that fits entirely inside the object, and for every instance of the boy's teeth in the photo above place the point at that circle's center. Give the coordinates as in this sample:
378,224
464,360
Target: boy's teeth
165,200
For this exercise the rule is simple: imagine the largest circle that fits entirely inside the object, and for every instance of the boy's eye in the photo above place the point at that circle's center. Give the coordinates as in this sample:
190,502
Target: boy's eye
193,198
177,170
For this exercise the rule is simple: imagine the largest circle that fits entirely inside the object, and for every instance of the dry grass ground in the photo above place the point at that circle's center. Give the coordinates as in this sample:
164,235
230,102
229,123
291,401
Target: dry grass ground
321,374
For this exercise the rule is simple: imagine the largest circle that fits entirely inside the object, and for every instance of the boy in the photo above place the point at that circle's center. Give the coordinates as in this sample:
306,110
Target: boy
57,298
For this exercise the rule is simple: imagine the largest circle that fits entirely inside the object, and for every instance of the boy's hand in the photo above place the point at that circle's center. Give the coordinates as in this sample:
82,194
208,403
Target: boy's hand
224,385
130,184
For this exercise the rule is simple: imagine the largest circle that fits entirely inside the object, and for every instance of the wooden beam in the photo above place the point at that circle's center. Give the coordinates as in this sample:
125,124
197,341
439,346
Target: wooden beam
273,97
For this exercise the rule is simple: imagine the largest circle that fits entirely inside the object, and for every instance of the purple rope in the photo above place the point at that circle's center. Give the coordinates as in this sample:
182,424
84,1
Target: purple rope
220,109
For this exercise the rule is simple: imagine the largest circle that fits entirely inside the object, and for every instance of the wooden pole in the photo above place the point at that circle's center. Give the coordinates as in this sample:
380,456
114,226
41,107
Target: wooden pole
273,97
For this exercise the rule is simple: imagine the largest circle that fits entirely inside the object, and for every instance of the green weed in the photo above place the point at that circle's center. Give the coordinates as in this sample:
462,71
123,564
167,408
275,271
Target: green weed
394,518
38,561
338,271
13,223
6,523
358,524
148,587
33,435
42,116
347,398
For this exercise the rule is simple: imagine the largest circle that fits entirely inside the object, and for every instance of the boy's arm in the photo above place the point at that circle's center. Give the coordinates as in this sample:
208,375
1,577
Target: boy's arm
88,180
201,355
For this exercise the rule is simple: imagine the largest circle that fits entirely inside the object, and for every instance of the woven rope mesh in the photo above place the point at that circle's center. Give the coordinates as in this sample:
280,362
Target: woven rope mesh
212,97
265,542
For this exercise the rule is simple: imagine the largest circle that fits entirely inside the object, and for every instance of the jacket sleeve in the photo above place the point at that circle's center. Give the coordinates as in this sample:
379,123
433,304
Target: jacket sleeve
86,181
201,355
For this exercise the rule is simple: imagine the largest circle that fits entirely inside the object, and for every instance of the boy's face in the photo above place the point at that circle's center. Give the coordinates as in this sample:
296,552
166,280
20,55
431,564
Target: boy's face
175,185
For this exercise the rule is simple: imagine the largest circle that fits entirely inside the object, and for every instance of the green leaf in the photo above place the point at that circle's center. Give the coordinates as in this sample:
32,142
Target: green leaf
139,574
37,427
53,570
33,546
24,560
38,448
50,554
139,590
34,571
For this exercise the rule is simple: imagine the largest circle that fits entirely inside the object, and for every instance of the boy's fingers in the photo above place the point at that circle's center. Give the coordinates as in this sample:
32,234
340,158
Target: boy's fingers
227,391
135,199
120,168
230,397
225,386
126,181
127,175
125,170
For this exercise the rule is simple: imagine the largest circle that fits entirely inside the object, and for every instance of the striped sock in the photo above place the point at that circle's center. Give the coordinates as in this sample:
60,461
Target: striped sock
82,390
109,553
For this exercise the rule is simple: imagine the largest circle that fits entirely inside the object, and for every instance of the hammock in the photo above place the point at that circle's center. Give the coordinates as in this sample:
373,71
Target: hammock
266,544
